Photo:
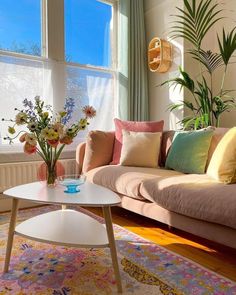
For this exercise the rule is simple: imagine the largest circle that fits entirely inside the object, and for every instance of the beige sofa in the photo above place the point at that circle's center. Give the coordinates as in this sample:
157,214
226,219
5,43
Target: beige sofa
190,202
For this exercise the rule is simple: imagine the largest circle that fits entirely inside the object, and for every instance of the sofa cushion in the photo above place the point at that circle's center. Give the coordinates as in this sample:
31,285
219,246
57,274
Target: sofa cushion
99,149
140,149
126,180
218,134
189,151
193,195
222,166
145,126
167,139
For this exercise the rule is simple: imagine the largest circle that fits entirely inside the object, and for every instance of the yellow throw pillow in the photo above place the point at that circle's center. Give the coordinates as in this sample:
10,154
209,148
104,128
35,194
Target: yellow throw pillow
222,166
140,149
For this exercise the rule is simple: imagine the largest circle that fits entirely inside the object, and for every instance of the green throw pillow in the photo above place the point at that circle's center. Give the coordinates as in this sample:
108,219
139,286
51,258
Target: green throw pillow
189,151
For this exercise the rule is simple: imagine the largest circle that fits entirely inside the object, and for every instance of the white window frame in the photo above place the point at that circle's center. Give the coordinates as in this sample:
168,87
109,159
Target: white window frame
53,46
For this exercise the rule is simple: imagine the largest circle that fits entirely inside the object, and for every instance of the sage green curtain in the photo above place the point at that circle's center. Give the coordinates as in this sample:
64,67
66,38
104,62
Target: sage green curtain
132,57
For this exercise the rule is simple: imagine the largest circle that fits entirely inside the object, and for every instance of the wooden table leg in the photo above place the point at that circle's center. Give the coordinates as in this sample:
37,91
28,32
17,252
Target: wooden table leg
112,245
12,226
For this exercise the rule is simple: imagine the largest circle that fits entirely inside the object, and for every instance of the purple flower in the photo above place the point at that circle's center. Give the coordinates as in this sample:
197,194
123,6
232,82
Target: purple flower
28,104
69,108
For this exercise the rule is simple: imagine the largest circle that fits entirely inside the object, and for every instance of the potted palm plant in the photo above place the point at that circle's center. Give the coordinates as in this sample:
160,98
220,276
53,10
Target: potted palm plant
193,23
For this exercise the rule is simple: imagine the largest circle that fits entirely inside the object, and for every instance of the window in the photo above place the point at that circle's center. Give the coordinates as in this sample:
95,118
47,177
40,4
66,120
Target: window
88,32
78,60
20,26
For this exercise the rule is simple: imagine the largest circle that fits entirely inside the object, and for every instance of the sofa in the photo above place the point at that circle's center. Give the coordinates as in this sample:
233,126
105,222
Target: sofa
194,203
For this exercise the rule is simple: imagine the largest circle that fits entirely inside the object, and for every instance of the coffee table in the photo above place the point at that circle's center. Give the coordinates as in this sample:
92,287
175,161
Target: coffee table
65,227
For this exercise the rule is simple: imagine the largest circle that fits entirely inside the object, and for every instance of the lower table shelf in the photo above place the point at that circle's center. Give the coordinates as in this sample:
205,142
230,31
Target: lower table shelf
65,227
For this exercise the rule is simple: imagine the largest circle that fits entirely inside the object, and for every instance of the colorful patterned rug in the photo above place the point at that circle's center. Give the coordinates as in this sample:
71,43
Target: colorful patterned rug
146,268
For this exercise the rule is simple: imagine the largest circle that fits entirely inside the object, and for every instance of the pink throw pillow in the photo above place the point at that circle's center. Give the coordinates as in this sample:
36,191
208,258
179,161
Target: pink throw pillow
147,126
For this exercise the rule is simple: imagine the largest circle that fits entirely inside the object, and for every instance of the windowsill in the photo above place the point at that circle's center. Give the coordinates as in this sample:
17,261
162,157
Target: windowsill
15,153
13,157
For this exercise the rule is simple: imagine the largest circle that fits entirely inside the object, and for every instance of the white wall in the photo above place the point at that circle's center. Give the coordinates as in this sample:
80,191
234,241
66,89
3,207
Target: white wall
229,6
157,19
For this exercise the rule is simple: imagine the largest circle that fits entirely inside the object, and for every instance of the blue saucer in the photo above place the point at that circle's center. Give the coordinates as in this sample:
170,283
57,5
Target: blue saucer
71,184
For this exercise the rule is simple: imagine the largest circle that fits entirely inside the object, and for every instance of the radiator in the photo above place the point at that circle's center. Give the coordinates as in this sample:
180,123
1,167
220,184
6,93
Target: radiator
12,174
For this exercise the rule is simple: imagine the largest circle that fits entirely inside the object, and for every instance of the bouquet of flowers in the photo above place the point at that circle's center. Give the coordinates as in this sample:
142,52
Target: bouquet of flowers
48,132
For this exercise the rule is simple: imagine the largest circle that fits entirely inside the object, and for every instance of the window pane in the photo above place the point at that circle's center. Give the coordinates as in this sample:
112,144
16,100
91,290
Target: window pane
21,79
20,26
89,87
88,32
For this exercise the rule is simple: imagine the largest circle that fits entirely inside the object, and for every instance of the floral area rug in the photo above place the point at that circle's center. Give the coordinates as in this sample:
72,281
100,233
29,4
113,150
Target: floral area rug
146,268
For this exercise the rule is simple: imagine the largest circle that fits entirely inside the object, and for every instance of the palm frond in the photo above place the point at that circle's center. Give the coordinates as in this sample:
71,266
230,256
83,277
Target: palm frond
210,60
195,20
175,106
179,106
184,81
227,45
208,19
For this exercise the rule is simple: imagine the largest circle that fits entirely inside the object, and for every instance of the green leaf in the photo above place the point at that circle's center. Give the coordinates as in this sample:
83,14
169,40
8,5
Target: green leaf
227,45
175,106
210,60
191,10
197,122
195,20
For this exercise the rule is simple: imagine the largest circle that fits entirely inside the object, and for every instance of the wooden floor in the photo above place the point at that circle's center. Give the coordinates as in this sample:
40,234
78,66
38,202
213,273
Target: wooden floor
213,256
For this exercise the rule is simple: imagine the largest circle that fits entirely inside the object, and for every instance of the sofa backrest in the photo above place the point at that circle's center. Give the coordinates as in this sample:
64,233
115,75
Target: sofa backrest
167,138
166,142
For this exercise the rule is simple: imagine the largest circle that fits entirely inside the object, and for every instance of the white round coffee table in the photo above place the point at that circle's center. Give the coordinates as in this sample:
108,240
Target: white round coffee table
65,227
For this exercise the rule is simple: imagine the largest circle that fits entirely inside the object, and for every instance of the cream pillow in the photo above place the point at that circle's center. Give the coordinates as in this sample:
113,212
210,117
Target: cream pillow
140,149
222,166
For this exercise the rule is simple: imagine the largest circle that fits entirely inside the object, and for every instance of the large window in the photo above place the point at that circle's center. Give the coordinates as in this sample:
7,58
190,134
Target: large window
20,26
77,60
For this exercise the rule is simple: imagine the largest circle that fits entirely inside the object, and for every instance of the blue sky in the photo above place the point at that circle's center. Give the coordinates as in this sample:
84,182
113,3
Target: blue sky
19,22
86,28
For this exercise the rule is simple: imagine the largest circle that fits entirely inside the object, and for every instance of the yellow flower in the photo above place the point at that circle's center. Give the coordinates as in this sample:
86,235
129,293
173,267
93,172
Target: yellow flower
52,134
45,115
49,133
31,139
21,118
71,131
11,130
44,133
83,123
58,128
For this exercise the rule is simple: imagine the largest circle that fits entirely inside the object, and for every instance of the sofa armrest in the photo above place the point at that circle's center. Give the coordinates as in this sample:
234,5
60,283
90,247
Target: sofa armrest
80,152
